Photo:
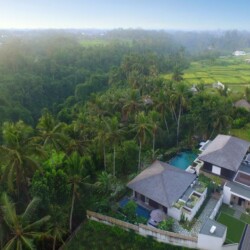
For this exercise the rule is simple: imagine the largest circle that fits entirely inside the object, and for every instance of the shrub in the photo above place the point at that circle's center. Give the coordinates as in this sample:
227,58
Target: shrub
167,224
130,211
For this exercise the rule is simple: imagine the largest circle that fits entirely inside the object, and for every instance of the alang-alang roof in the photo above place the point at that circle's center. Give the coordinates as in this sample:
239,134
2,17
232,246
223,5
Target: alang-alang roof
225,151
162,183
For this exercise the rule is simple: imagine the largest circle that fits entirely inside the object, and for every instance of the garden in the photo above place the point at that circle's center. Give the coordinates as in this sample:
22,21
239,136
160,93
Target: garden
235,227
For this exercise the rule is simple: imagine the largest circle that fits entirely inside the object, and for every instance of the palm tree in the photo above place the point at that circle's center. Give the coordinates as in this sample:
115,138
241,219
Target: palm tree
154,121
16,153
57,225
23,230
50,132
76,177
101,139
178,102
105,182
142,127
114,134
132,103
162,105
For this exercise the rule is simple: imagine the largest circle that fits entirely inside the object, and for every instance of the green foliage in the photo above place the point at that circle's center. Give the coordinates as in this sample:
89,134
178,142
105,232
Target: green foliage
167,224
50,183
130,211
94,235
239,122
23,229
119,114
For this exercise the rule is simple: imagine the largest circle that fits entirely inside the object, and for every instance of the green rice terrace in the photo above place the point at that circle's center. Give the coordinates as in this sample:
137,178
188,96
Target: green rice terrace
232,71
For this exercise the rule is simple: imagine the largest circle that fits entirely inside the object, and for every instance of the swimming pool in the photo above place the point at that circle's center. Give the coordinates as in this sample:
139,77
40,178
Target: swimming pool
183,159
140,211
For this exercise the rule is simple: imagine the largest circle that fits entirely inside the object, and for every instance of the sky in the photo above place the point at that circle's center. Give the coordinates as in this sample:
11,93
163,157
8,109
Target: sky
109,14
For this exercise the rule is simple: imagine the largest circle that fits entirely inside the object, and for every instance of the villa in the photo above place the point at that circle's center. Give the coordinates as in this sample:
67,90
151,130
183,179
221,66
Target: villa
239,53
180,194
228,157
173,190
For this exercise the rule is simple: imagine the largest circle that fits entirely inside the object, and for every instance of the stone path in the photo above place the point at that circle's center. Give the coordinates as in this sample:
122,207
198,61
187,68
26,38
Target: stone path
204,216
200,221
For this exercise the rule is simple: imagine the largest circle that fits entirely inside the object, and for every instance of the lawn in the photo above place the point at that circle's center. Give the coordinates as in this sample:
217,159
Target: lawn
227,210
235,227
96,236
245,217
243,133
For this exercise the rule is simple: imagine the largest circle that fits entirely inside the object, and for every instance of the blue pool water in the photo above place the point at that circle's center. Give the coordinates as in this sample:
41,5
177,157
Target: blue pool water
183,160
140,211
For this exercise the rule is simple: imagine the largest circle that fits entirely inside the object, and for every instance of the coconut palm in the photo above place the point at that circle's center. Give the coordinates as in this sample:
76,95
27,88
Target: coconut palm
154,122
22,229
114,135
75,171
50,132
132,103
162,105
16,154
178,102
143,128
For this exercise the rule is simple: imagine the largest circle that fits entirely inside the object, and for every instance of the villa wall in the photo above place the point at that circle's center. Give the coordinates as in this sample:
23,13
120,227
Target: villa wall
226,194
175,213
216,208
159,235
211,242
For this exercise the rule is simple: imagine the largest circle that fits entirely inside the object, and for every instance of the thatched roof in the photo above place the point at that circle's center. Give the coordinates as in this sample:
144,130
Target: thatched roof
225,151
162,183
242,104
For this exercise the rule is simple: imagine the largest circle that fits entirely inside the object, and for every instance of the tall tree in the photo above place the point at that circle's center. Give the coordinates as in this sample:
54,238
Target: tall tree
142,127
23,229
76,176
50,132
178,100
154,122
114,135
17,154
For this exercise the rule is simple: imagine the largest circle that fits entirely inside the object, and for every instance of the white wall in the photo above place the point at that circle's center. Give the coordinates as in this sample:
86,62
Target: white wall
226,194
175,213
195,209
210,242
216,208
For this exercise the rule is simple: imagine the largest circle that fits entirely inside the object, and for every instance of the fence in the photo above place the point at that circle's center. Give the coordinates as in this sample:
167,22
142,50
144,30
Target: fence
160,235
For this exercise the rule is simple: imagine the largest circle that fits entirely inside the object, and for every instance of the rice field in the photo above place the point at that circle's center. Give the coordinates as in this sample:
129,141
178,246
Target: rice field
232,71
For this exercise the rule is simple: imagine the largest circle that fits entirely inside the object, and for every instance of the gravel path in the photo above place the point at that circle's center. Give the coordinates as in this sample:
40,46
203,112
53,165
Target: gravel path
200,221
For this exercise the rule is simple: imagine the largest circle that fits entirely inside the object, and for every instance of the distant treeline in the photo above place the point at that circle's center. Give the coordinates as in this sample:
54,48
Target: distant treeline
42,69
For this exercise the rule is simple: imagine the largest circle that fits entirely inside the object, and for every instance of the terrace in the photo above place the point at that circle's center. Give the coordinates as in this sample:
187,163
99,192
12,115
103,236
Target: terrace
191,200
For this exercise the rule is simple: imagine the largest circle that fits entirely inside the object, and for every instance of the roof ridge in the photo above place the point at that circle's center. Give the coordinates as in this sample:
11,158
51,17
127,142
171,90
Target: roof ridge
165,188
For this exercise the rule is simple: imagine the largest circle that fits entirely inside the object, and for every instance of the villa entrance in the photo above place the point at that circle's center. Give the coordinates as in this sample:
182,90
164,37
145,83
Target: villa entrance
241,202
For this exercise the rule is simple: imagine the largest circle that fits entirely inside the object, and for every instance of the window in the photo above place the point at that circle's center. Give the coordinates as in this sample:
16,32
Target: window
216,170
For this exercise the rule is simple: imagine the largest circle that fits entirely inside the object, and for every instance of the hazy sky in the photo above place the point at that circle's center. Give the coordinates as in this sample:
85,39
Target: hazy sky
147,14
